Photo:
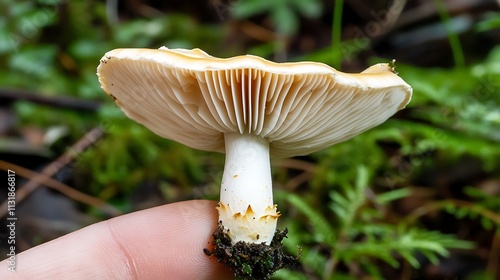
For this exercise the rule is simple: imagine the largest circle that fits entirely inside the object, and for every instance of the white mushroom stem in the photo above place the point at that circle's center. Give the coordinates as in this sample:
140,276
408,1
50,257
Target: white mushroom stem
246,207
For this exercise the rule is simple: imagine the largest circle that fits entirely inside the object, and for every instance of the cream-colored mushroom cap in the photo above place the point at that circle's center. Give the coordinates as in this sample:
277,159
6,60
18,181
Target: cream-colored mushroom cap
193,98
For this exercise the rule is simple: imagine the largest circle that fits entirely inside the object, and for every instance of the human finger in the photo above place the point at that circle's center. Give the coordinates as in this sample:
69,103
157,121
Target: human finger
164,242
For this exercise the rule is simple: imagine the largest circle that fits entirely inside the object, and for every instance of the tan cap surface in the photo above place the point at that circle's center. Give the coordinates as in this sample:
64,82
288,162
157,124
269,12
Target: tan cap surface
193,98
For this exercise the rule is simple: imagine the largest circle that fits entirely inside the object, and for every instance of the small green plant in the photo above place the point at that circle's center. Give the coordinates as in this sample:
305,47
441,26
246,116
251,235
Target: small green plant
355,234
484,208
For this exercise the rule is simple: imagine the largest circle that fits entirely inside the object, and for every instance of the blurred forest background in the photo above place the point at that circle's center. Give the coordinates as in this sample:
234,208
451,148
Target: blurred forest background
415,198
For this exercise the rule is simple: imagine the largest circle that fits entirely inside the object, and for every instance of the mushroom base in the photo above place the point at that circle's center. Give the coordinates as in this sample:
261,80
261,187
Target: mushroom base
249,226
251,260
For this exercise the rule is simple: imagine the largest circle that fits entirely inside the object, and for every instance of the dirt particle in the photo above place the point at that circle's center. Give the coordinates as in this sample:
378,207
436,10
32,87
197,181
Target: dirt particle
251,260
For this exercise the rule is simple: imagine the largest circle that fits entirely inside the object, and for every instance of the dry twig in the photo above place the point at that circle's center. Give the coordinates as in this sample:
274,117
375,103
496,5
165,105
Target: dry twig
50,170
56,185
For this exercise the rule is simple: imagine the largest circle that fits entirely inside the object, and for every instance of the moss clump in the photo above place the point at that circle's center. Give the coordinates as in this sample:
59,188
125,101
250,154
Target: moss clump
250,260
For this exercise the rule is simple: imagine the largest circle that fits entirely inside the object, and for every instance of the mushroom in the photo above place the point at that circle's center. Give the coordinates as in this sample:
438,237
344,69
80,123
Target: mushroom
249,108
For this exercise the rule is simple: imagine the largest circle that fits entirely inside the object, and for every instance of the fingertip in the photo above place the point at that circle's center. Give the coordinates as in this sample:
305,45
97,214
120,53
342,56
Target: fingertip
181,232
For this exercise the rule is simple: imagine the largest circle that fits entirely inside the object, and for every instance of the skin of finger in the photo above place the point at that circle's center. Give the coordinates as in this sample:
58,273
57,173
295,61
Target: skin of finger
164,242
